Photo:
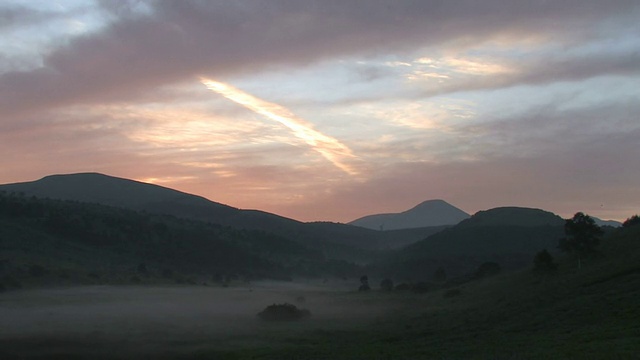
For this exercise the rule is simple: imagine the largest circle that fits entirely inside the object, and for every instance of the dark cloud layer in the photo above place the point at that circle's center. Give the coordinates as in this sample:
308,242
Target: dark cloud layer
177,39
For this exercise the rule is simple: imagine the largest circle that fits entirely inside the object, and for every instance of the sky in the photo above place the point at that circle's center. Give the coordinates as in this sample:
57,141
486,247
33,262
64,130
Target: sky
327,110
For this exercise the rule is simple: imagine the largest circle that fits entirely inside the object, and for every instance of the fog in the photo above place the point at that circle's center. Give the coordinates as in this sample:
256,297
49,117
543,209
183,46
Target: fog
126,320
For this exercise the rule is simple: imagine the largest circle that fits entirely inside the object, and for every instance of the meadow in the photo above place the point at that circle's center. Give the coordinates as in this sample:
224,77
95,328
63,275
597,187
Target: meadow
588,314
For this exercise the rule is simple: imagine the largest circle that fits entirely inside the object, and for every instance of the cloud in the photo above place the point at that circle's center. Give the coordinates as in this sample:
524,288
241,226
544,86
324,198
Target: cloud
333,150
170,41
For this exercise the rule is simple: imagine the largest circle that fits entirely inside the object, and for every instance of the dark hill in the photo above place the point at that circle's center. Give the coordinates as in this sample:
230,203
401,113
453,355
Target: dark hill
508,236
337,241
427,214
55,242
513,216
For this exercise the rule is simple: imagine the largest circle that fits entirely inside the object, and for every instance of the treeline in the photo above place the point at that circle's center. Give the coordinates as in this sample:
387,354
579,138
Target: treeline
152,246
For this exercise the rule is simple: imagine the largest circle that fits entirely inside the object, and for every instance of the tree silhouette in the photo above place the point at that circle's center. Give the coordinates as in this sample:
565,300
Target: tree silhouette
364,283
632,221
582,236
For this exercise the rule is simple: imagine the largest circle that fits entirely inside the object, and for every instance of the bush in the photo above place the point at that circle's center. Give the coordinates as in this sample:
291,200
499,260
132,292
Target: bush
283,312
543,264
364,283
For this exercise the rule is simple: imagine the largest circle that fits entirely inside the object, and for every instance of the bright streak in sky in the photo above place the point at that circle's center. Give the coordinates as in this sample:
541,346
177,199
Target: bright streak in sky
329,147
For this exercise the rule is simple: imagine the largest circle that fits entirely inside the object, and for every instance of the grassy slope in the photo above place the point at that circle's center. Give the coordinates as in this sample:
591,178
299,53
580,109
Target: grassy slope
589,314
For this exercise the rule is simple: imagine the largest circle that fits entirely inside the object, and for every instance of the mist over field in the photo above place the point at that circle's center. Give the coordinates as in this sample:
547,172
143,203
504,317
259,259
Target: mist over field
168,320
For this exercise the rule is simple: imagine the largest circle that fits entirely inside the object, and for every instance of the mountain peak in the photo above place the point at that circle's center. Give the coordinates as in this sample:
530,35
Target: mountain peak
428,213
103,189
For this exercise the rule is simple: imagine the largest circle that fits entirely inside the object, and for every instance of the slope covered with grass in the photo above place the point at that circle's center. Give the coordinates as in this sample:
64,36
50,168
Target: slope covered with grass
592,313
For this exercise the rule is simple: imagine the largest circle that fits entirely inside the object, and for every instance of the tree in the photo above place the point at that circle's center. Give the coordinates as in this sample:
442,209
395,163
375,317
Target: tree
582,236
632,221
543,263
364,281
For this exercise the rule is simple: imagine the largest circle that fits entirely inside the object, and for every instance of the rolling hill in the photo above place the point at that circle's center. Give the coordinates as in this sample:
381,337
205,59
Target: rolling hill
55,242
509,236
338,241
426,214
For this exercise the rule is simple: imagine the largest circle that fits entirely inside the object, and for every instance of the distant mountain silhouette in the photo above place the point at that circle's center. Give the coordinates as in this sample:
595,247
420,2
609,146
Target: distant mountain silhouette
601,222
338,241
426,214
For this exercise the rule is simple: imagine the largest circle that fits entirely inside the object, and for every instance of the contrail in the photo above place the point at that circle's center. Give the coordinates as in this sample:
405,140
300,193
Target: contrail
332,149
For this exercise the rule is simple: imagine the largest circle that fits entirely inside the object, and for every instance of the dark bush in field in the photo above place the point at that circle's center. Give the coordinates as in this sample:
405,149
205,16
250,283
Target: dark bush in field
364,283
283,312
543,264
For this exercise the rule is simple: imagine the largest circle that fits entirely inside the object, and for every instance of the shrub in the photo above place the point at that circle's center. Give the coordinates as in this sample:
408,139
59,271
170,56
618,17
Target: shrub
283,312
364,283
543,264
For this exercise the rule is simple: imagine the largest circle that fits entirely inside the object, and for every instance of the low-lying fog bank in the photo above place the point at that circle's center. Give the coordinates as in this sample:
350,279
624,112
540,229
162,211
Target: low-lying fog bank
162,319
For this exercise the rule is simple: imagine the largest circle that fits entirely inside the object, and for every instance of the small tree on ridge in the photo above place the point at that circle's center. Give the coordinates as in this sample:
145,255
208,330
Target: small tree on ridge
582,236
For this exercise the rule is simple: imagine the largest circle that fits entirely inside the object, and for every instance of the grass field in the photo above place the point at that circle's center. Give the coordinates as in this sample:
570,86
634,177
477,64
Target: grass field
591,313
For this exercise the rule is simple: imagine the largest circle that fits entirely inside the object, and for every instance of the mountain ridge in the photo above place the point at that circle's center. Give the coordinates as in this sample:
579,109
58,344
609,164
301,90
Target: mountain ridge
436,212
338,241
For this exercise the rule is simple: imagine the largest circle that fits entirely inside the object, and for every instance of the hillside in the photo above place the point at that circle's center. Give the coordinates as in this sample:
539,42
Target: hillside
426,214
588,314
508,236
53,242
337,241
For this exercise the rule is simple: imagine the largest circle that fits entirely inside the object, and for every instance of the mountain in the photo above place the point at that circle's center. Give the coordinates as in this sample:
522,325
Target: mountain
56,242
509,236
611,223
337,241
426,214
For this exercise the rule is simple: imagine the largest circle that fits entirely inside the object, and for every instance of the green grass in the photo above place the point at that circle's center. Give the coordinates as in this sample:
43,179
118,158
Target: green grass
592,313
